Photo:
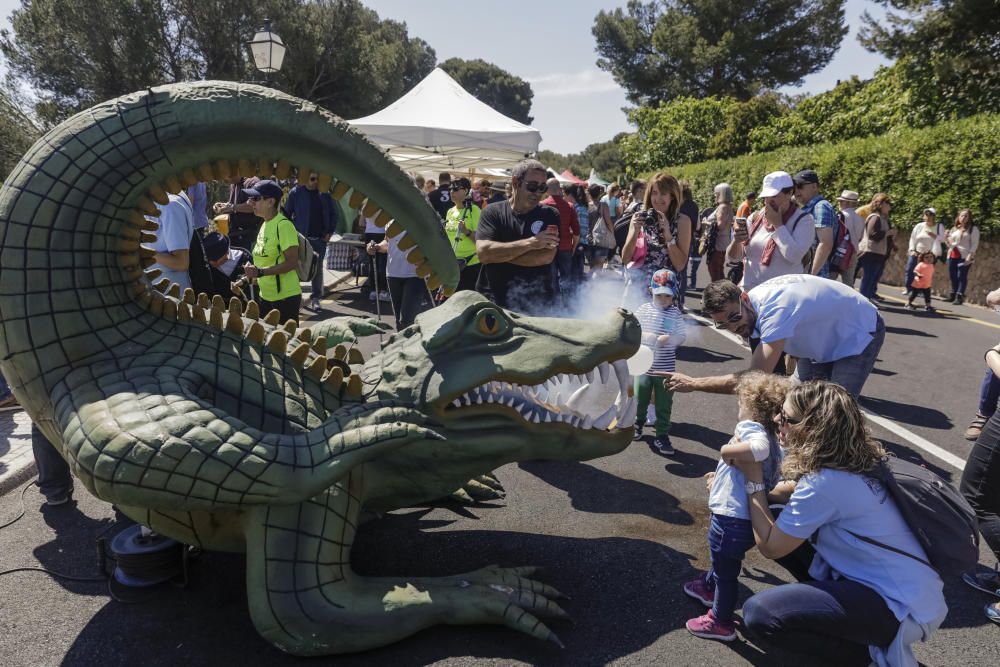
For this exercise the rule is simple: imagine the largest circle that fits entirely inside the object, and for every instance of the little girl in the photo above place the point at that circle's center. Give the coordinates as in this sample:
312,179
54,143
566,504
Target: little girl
730,534
923,277
663,330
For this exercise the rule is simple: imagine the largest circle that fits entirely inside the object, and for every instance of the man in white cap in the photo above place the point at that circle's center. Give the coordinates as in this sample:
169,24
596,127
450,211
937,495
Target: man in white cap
847,202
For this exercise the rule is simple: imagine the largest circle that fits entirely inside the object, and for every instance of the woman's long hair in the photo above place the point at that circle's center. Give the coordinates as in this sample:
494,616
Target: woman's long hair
972,221
832,433
665,183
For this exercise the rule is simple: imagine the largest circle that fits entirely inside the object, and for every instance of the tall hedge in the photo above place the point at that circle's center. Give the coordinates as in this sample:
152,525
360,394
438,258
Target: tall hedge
949,166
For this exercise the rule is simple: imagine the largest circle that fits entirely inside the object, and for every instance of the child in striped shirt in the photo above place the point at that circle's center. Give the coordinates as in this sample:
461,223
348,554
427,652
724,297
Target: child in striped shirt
663,330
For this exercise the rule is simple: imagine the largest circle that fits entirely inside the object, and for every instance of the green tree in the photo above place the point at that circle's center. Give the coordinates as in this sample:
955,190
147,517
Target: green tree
949,52
674,133
17,132
341,55
665,49
508,94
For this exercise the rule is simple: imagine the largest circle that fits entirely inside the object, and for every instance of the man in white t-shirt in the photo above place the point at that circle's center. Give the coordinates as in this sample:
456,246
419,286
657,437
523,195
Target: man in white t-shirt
833,331
173,240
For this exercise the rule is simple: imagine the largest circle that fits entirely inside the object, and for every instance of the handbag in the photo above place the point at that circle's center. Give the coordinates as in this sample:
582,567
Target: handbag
639,254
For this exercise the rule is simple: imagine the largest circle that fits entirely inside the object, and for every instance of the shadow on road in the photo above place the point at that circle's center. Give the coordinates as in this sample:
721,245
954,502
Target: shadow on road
700,354
625,596
599,492
903,331
907,413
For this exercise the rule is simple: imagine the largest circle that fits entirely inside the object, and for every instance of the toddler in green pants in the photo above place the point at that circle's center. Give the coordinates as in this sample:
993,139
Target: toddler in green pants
663,329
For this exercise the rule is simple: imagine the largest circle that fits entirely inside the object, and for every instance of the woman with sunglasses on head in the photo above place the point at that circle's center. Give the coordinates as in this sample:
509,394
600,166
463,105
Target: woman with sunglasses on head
275,255
659,237
862,601
874,246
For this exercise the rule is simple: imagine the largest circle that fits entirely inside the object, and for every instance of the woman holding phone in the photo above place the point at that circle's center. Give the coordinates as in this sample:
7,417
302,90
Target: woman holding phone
774,239
659,237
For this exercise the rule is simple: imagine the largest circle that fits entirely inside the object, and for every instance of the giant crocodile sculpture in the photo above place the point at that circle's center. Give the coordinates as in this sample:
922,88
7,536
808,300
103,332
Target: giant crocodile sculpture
232,431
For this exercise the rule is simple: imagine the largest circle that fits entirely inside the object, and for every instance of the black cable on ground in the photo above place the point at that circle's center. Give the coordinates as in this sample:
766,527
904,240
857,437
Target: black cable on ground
19,516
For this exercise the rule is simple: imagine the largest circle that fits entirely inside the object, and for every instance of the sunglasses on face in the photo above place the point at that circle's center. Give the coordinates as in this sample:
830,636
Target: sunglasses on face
731,318
313,179
253,198
785,420
534,186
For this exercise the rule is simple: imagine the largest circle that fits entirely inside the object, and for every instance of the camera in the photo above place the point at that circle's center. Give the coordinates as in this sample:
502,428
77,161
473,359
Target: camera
650,216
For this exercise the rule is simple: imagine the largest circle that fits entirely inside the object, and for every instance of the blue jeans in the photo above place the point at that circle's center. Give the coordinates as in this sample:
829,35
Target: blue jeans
562,269
4,387
911,266
849,372
319,247
729,539
694,263
54,479
871,265
833,620
959,275
989,394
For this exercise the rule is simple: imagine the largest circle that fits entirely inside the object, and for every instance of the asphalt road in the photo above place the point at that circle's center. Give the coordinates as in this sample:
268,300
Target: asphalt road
619,535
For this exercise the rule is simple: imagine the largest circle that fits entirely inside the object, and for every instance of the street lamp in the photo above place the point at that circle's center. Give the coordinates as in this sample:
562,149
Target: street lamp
268,50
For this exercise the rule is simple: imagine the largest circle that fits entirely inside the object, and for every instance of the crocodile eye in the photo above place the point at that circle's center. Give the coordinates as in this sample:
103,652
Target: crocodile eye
489,324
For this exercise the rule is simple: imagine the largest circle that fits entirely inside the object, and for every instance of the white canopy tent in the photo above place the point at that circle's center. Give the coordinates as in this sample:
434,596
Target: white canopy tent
438,126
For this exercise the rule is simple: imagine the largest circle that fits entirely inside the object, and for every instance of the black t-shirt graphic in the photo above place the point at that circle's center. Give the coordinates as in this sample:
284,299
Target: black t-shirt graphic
441,200
527,289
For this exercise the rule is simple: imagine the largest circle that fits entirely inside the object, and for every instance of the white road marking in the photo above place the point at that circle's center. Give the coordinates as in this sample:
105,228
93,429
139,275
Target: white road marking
887,424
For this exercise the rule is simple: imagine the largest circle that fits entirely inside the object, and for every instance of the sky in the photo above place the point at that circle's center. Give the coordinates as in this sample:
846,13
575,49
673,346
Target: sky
549,44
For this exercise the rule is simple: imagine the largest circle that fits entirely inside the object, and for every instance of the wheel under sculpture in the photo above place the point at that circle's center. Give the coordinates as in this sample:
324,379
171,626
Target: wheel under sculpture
221,427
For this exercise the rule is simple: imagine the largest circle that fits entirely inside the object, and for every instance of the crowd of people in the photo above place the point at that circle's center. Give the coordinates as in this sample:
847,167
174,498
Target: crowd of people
783,264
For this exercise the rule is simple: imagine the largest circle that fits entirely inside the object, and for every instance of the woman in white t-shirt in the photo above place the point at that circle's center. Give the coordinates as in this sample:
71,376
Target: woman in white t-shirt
963,241
927,236
774,239
862,601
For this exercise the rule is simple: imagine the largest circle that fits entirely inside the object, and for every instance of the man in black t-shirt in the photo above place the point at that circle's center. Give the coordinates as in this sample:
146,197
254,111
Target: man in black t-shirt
441,198
516,242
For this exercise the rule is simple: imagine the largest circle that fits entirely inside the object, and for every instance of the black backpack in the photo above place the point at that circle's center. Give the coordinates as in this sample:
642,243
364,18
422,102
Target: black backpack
941,519
622,225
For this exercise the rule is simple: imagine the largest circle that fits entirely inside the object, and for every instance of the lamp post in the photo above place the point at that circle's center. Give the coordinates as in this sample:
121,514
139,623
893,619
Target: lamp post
268,50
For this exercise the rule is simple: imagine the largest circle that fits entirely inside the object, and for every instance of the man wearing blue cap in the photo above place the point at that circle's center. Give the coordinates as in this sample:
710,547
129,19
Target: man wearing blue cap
275,254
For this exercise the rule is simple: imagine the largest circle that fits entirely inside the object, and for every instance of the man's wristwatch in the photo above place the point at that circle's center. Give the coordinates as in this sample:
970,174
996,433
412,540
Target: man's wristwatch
754,487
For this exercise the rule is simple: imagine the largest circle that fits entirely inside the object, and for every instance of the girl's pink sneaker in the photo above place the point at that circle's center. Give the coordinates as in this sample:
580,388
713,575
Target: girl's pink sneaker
700,590
707,627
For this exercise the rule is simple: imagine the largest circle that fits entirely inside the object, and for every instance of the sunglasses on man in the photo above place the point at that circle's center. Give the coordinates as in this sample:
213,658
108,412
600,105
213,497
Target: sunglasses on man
732,318
784,420
534,186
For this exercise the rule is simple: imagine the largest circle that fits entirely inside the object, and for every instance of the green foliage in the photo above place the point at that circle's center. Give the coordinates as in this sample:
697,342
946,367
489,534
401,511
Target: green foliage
667,49
676,132
510,95
949,166
605,157
341,55
951,51
17,133
853,108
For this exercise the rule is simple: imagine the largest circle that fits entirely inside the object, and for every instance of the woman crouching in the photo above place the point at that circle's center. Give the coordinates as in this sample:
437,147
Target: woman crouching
862,601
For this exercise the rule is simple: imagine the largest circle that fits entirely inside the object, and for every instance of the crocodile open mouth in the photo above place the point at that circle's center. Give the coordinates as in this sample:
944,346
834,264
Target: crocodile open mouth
601,398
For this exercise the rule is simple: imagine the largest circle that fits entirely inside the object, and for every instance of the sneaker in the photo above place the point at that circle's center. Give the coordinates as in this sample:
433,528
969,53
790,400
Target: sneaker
700,590
638,430
661,444
56,501
929,308
314,304
371,296
993,612
707,627
987,582
384,296
8,402
975,427
910,306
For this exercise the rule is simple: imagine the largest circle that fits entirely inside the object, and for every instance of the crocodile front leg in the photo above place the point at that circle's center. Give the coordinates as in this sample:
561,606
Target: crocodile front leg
305,599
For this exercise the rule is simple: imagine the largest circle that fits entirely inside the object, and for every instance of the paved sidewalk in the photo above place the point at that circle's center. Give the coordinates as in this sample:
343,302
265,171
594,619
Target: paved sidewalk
17,464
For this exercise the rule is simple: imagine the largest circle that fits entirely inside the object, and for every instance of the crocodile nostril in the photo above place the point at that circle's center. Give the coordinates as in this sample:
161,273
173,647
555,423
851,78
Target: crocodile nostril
624,312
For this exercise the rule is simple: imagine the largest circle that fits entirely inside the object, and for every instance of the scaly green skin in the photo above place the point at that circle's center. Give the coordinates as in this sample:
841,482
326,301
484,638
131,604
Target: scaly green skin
211,426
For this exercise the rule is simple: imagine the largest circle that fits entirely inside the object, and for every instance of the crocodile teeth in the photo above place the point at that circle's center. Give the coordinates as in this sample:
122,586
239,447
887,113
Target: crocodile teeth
604,421
621,370
589,375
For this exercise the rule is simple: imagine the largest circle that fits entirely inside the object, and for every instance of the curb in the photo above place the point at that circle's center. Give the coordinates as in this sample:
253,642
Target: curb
16,478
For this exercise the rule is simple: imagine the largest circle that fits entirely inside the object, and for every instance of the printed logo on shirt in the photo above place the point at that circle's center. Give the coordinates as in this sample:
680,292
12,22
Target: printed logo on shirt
536,226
